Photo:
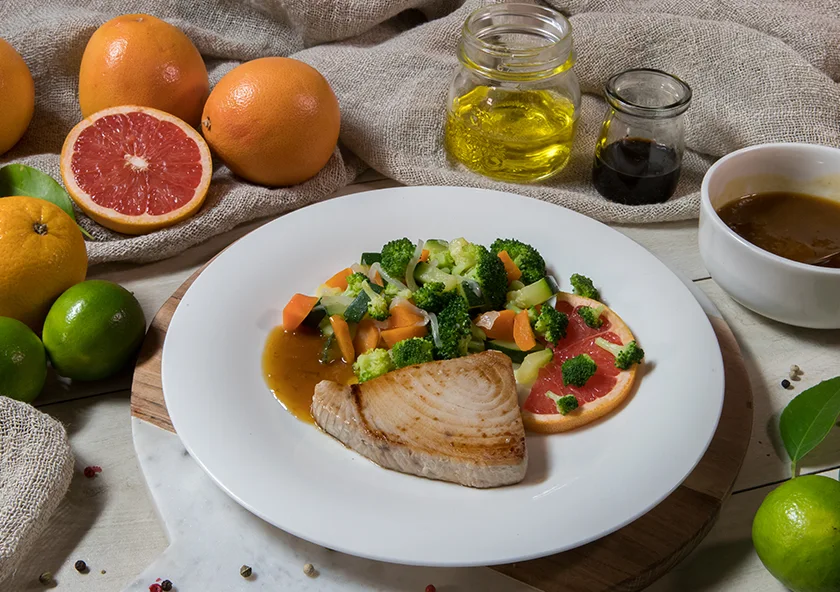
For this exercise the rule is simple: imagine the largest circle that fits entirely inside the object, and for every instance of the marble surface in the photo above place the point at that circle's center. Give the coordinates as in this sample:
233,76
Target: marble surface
211,537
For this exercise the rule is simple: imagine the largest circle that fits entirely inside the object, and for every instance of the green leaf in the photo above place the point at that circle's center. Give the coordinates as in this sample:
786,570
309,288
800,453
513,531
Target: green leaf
809,417
19,179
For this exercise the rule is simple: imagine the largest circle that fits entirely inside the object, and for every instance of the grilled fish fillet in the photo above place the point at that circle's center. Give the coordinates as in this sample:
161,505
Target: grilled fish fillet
453,420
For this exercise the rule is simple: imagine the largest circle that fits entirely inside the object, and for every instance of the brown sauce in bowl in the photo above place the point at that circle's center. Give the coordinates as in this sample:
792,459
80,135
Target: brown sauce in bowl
795,226
292,368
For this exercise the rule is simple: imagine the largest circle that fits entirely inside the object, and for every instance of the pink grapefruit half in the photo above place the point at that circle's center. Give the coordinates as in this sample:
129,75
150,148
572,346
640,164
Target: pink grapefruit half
136,169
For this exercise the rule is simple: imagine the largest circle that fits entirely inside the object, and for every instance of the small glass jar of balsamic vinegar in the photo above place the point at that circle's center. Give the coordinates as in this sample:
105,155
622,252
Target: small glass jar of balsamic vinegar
639,152
514,101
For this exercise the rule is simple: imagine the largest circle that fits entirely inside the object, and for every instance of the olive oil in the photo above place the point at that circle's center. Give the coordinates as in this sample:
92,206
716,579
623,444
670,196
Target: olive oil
511,135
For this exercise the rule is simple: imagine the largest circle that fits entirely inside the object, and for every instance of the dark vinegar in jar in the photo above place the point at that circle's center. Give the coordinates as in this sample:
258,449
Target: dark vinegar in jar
636,171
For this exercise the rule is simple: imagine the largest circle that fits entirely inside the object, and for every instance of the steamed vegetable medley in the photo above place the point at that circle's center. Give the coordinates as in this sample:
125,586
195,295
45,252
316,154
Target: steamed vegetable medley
412,303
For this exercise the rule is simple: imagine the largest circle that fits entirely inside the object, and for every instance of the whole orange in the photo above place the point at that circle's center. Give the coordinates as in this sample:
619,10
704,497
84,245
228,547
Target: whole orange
42,253
138,59
17,96
273,121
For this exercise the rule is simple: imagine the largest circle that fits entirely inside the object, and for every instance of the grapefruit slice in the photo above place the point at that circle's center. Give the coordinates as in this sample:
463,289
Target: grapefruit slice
136,169
601,394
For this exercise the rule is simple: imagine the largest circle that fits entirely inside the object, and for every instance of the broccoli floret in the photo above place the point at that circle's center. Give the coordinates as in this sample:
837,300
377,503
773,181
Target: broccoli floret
431,297
439,255
394,291
565,404
372,364
355,283
577,370
395,257
527,258
415,350
377,306
454,328
583,286
592,316
489,272
551,324
625,355
464,254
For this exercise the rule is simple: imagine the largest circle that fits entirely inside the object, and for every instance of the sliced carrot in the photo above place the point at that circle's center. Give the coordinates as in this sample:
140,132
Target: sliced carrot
511,269
342,335
402,316
523,335
502,327
392,336
424,255
367,336
377,279
339,280
297,309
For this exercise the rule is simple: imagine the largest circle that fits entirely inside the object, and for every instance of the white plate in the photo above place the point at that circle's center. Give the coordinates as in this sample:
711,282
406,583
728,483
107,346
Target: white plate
580,486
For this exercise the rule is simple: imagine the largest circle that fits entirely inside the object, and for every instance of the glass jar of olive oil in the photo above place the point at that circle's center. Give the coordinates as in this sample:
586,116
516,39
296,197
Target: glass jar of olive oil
514,101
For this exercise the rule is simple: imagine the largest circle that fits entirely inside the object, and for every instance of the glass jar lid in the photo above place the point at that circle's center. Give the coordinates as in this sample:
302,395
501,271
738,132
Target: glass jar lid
649,93
514,41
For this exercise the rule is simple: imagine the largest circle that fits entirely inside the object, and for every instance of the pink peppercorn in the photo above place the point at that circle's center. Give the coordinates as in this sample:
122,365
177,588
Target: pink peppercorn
90,472
155,588
431,588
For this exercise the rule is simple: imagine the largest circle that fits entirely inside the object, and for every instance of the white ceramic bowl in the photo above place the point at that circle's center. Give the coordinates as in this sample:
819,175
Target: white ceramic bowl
778,288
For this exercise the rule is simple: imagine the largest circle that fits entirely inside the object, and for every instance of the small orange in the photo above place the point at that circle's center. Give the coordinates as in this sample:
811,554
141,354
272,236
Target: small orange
137,59
42,253
273,121
17,96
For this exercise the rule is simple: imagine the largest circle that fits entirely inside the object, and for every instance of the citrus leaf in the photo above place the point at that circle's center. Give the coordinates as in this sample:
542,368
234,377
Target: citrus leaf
809,417
19,179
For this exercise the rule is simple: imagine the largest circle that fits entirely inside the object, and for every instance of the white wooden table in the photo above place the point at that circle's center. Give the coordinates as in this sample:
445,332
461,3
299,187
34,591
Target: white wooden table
110,522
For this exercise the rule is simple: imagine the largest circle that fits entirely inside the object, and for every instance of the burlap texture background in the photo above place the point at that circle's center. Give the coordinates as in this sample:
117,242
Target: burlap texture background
761,71
36,466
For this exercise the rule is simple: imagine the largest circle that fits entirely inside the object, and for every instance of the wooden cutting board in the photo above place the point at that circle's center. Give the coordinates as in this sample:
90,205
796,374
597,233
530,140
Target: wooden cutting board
629,559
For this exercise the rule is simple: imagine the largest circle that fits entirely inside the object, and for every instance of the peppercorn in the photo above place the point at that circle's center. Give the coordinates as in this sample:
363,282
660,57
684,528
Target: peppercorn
309,570
155,588
785,383
80,566
46,578
166,585
431,588
90,472
245,571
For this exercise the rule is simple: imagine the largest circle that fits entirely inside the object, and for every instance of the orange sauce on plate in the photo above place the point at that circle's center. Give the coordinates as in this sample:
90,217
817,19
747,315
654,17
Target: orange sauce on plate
292,368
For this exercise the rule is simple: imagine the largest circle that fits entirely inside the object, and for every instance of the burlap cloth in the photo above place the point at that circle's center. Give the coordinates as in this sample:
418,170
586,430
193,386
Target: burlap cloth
36,466
761,71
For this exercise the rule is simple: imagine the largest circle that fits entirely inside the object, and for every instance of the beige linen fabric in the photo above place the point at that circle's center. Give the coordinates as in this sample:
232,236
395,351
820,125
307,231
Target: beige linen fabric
36,466
761,71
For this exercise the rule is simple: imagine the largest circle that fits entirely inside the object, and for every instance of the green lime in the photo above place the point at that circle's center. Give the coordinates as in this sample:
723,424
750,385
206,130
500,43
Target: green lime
796,533
93,330
23,363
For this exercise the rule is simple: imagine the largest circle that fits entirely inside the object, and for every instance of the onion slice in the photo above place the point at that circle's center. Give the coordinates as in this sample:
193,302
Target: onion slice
412,265
387,278
435,329
487,320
